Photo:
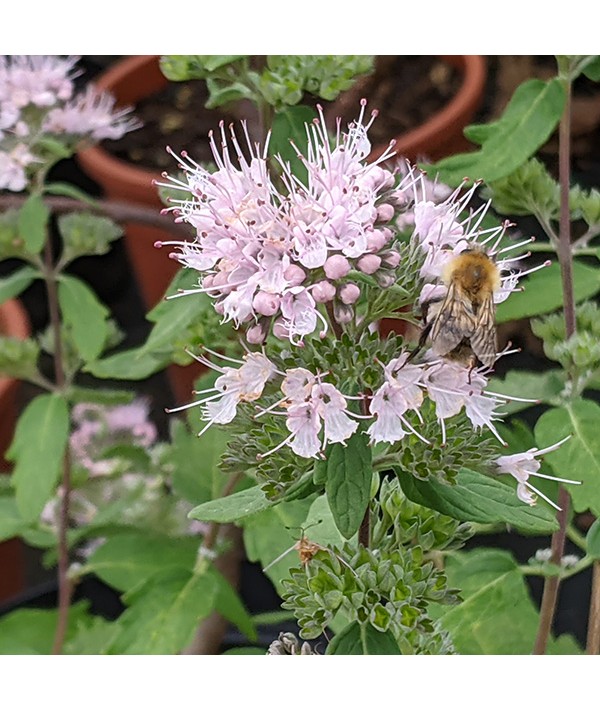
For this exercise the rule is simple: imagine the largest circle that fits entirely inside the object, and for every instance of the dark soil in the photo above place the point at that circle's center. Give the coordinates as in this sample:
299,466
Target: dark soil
405,89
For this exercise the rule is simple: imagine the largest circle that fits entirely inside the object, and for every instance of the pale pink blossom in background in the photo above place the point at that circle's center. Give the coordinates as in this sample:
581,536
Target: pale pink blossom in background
37,102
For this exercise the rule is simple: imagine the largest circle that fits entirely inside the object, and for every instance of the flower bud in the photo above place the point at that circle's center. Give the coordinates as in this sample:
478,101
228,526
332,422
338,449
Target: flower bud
376,241
349,293
257,333
219,307
385,212
294,275
266,304
385,279
369,263
336,267
323,291
390,259
343,313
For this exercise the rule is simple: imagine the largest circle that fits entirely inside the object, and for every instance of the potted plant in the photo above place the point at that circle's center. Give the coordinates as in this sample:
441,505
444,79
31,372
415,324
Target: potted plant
354,469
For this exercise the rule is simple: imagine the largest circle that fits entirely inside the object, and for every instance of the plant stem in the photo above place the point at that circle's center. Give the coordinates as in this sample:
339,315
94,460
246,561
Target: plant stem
364,532
64,584
593,635
118,211
565,258
210,632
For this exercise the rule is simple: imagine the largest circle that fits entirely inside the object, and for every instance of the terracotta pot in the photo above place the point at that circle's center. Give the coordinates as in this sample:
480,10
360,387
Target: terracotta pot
442,133
13,322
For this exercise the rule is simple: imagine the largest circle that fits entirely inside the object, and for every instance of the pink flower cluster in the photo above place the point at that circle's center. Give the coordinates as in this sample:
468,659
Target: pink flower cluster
99,427
37,101
269,256
309,403
443,232
317,414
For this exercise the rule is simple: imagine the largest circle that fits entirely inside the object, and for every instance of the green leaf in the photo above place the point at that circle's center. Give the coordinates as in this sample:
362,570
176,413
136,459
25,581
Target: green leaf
363,639
94,638
173,315
229,605
11,522
480,499
348,487
128,559
171,318
526,124
87,317
270,533
31,631
195,460
592,540
182,67
72,191
289,124
528,385
164,613
320,524
245,651
37,450
104,396
497,616
133,364
579,457
33,219
233,507
543,292
592,70
220,94
86,234
17,282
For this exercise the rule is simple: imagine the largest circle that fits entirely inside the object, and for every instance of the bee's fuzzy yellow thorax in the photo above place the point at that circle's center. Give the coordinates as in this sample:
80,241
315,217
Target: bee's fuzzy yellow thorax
474,271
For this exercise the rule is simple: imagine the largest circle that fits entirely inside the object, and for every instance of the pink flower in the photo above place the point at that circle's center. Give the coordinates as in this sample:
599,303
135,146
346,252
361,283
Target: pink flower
36,79
90,114
12,167
452,386
304,423
37,102
100,427
524,465
309,405
234,385
400,392
331,407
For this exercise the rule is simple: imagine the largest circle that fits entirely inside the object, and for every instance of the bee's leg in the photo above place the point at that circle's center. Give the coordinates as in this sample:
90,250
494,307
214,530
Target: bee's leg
422,341
472,366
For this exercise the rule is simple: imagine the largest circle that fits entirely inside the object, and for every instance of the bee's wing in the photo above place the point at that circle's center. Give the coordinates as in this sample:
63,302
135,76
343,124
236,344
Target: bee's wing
454,321
483,338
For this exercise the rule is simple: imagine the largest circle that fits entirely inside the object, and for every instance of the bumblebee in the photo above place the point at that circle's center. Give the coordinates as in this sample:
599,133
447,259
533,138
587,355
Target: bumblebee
461,326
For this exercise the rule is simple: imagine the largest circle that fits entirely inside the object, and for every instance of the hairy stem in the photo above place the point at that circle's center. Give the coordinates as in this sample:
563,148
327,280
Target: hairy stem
64,584
593,634
565,258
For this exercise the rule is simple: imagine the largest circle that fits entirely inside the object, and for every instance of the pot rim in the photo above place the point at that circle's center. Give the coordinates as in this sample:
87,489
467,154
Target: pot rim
473,68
